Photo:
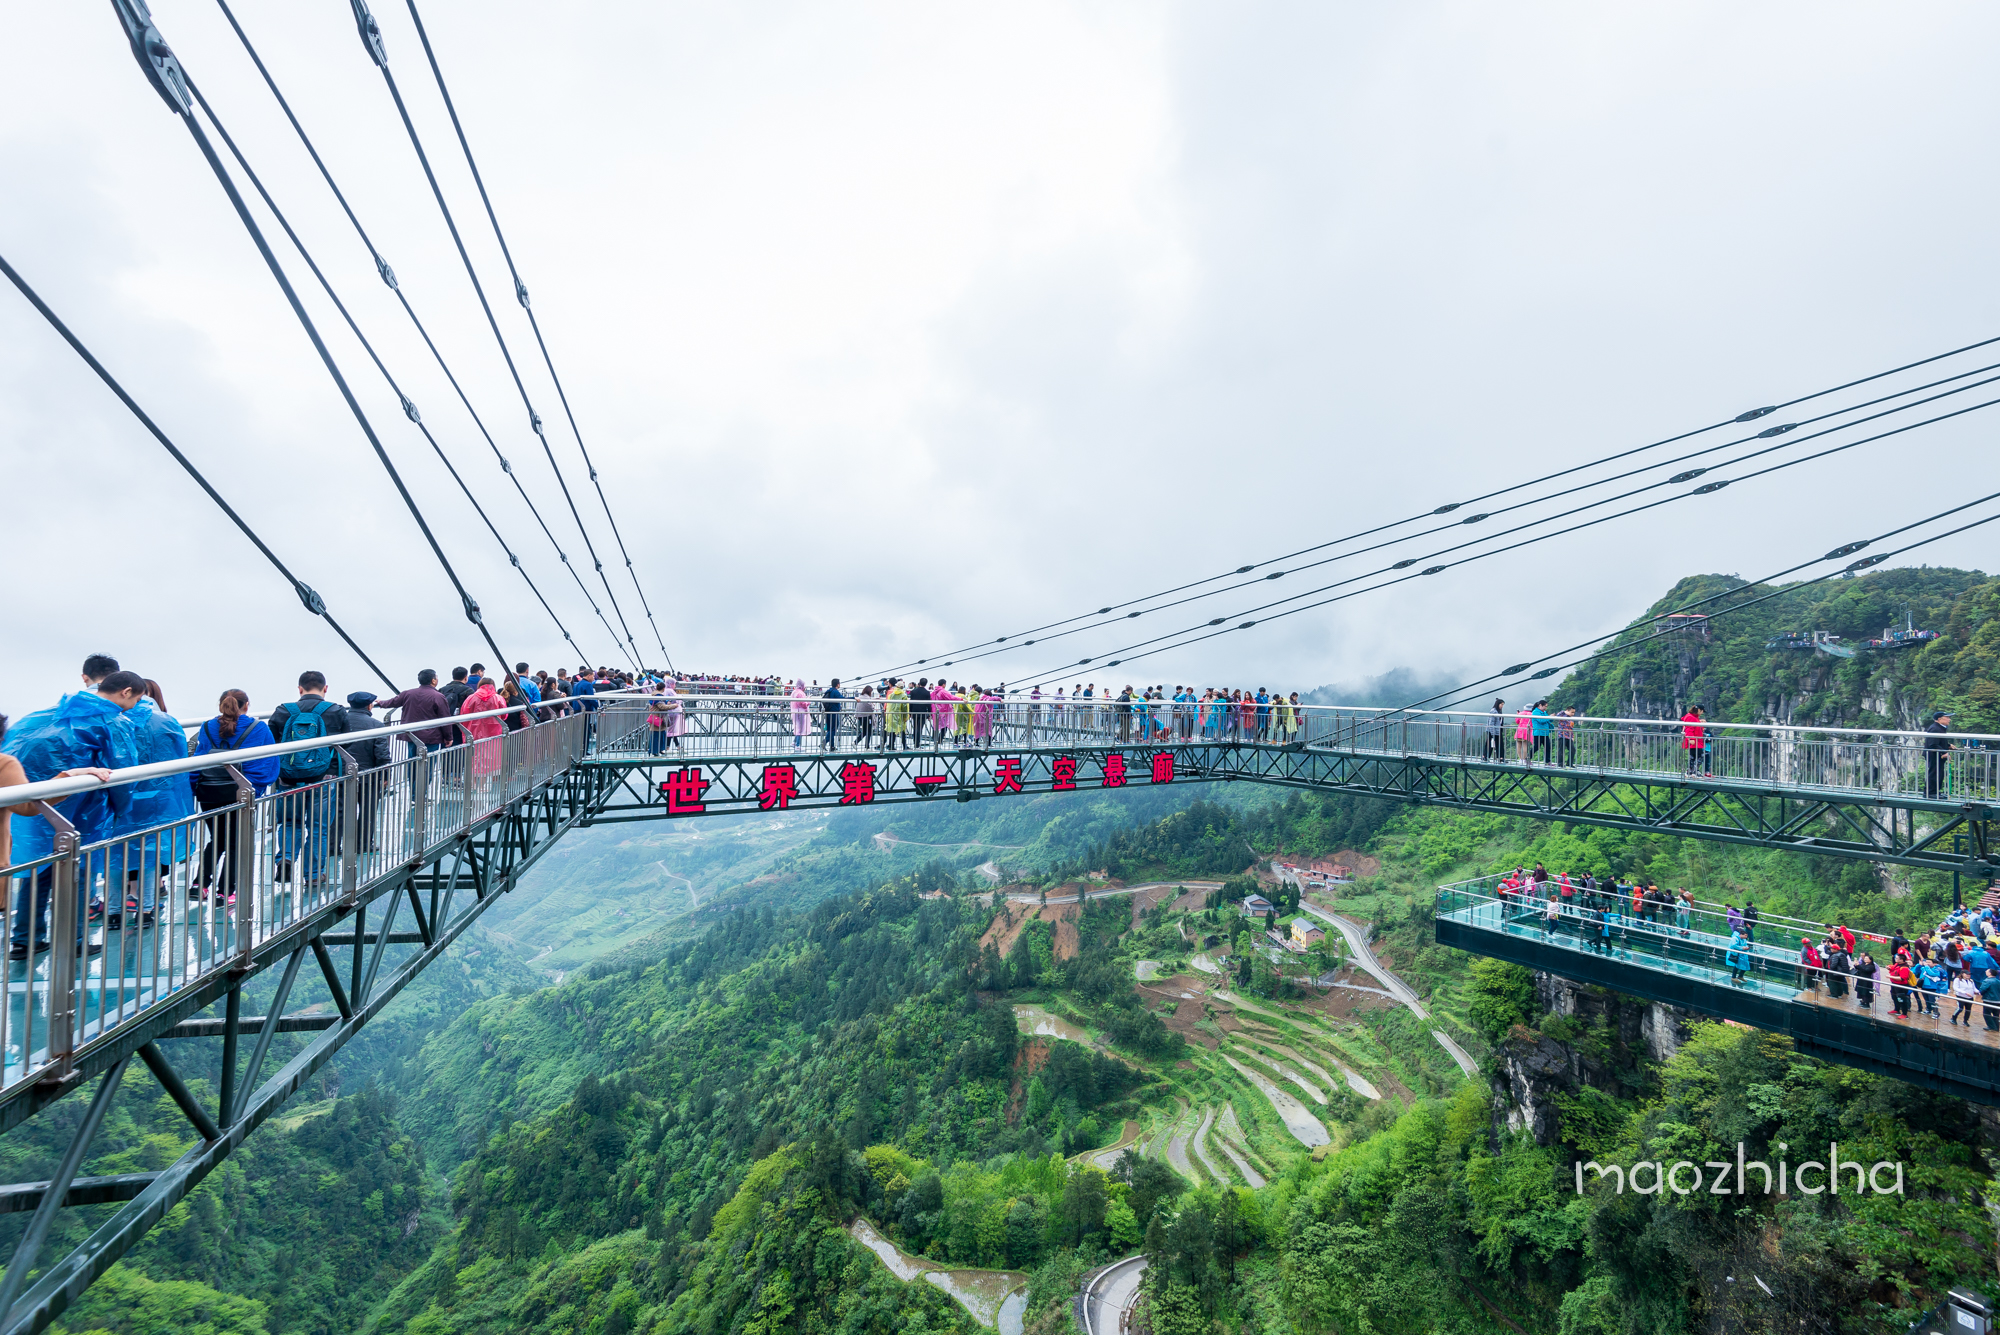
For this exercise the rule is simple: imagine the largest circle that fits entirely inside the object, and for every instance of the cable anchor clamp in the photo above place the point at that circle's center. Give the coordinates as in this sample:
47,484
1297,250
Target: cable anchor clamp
371,33
535,421
155,57
521,293
310,597
388,274
471,609
1848,550
506,467
410,409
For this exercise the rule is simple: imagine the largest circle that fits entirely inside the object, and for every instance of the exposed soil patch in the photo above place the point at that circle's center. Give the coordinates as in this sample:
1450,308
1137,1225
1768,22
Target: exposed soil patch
1013,919
1151,897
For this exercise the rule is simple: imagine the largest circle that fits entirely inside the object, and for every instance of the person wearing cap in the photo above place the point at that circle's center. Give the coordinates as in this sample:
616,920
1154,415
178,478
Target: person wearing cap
367,753
1937,747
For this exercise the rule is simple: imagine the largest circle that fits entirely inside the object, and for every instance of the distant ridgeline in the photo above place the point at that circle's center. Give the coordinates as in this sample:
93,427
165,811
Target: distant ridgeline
1725,666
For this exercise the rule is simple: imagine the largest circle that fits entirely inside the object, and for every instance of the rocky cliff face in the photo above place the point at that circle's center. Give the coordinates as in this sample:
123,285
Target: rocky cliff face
1588,1038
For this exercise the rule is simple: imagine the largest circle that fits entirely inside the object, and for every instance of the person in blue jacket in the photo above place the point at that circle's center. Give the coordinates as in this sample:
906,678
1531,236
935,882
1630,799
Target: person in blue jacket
1739,956
87,730
234,728
154,802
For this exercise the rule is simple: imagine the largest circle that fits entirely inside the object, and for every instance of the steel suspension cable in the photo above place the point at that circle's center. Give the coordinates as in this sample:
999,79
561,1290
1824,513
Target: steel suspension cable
1834,555
1602,501
163,69
388,276
1749,416
307,595
1706,489
521,294
409,408
372,42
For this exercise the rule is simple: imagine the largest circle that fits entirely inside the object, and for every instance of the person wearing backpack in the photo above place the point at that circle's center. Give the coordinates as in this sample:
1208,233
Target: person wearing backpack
303,814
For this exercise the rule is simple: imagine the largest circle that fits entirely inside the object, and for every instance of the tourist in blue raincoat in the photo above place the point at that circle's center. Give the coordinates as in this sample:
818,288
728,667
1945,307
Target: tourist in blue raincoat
154,802
87,730
1739,956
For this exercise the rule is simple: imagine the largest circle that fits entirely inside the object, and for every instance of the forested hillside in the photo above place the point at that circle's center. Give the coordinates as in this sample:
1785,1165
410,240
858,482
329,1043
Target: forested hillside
837,1051
1725,667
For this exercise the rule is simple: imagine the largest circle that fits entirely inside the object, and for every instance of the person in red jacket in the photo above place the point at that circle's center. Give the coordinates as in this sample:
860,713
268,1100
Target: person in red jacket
1694,738
1900,982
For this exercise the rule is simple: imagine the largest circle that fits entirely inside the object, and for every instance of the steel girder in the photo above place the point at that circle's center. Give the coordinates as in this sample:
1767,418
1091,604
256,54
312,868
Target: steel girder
445,891
1871,827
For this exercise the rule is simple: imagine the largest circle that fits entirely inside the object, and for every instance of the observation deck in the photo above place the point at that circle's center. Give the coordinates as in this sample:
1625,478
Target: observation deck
1656,959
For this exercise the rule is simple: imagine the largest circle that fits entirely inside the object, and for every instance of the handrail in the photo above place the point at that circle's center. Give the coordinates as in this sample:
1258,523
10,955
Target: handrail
1367,713
53,790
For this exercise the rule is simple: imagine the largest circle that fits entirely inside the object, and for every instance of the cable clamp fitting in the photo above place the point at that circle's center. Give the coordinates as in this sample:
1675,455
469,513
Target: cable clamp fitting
388,274
535,421
1754,414
307,595
410,409
471,609
1848,550
155,57
1518,667
1867,561
1710,488
521,293
506,467
371,38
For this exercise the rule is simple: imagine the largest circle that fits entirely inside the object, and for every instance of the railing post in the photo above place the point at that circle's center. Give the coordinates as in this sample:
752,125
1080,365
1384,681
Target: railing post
349,790
243,857
420,799
63,927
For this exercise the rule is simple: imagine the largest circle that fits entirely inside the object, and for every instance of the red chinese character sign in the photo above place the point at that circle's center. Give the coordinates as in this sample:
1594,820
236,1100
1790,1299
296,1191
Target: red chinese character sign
1063,772
1114,771
683,789
1163,767
857,784
1007,775
780,786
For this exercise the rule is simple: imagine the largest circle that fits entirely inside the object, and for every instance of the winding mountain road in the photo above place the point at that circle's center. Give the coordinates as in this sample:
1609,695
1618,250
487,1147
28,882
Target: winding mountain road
1357,942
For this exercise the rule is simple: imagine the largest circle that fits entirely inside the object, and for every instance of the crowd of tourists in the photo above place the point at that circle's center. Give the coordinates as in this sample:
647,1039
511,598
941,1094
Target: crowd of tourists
1959,959
120,718
895,713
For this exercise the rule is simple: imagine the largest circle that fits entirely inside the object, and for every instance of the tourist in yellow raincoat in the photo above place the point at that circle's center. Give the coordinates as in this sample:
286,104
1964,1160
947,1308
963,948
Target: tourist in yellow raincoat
961,714
896,715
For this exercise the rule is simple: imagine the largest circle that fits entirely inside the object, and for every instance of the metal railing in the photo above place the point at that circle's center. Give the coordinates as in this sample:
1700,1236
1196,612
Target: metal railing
1766,755
1700,945
111,929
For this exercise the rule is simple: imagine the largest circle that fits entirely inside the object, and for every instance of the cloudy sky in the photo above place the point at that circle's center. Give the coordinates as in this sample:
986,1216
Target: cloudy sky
893,329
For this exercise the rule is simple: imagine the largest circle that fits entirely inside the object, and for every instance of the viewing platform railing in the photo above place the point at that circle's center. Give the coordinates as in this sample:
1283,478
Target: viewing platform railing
1775,757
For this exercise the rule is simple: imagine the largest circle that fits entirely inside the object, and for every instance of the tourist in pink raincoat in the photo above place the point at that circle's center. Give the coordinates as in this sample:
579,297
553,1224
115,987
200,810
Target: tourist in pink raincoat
801,712
485,732
941,702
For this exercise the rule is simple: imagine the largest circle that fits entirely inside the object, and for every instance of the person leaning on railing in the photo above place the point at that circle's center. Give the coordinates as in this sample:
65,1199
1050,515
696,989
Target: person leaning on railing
85,731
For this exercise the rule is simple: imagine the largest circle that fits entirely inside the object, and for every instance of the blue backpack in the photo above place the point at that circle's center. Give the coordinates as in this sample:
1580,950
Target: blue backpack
301,723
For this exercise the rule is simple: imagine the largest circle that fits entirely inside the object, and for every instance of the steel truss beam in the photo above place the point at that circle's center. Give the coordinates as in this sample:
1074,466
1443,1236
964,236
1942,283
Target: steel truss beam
448,888
1869,827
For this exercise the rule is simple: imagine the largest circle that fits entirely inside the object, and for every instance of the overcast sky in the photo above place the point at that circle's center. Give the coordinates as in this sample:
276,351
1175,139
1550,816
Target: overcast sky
897,328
